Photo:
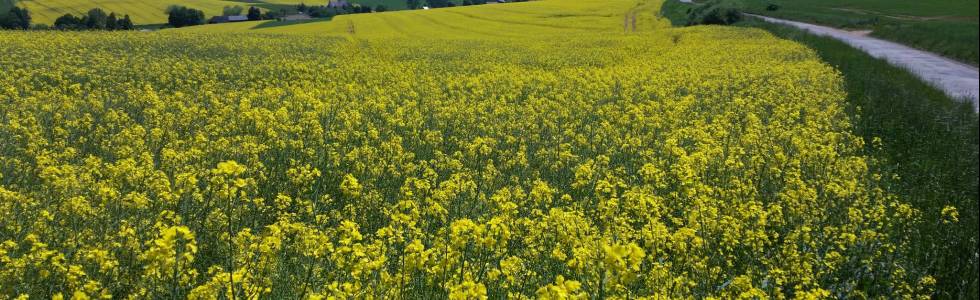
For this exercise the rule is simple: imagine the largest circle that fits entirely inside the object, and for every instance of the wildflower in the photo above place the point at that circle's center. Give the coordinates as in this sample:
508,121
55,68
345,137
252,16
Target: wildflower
562,289
950,215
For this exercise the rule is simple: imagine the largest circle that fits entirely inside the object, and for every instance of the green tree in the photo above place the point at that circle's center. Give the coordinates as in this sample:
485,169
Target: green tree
68,22
272,15
437,3
96,19
180,16
715,12
111,22
16,18
414,4
125,23
254,13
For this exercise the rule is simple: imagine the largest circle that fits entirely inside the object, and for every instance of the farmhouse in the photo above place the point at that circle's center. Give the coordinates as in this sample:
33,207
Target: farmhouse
227,19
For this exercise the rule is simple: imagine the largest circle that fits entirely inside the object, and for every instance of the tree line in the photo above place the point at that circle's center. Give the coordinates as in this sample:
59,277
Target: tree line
98,19
328,11
95,19
254,13
181,16
15,18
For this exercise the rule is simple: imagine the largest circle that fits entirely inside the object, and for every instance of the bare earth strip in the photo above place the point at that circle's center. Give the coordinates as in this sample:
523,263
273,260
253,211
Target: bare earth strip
958,80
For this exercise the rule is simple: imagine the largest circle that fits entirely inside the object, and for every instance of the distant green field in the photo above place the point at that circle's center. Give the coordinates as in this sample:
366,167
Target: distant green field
947,27
141,11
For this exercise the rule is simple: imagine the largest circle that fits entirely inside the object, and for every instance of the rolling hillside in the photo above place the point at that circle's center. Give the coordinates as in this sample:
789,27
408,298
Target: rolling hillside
152,11
513,20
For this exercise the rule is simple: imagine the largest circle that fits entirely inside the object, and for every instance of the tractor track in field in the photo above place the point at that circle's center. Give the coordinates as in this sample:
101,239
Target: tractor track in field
629,21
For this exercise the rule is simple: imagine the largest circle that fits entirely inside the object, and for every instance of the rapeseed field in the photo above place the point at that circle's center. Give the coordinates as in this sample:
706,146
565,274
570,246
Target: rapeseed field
548,150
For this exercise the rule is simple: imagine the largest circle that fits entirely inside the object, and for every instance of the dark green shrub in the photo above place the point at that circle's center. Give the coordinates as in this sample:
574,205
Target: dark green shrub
716,12
16,18
180,16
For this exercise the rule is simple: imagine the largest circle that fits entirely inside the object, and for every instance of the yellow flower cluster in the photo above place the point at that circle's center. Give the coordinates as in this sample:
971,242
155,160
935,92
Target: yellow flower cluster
682,163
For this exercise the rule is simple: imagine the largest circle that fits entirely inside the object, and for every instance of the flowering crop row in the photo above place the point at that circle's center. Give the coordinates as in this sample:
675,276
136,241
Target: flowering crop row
675,163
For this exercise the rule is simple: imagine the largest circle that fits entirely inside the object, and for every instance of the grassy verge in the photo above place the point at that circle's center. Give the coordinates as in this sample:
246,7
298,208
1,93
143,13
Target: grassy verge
949,28
927,139
957,40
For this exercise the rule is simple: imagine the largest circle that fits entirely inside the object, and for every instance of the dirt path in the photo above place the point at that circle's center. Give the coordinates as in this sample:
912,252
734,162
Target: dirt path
629,21
958,80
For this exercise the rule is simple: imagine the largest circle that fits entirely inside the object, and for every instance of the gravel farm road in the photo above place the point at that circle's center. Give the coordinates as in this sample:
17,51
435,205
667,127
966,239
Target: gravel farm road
960,81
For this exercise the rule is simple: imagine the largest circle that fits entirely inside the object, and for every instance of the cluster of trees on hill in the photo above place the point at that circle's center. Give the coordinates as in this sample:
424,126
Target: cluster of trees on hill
15,18
715,12
95,19
180,16
328,11
272,15
254,13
